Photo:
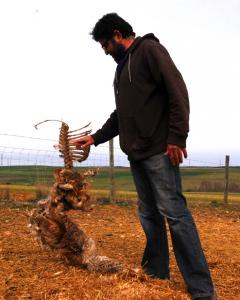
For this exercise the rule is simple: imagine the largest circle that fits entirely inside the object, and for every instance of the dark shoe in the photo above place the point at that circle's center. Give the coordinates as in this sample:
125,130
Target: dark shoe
156,276
211,297
204,298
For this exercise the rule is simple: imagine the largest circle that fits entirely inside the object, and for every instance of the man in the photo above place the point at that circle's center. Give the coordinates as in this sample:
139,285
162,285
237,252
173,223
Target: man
151,119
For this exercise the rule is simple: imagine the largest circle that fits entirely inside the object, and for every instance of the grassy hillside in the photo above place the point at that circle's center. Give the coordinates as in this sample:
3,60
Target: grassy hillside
193,179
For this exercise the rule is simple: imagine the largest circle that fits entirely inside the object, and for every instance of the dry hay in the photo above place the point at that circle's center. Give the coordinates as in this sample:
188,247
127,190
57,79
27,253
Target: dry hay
27,272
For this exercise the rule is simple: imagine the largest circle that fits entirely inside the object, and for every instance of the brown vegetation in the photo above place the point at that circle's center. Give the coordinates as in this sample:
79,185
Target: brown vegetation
27,272
217,186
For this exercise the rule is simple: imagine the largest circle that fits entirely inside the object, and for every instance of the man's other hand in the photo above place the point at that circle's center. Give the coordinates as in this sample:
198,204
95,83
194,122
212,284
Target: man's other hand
176,154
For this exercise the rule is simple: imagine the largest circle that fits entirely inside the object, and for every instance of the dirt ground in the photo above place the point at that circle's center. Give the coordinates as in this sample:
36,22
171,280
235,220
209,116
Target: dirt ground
27,272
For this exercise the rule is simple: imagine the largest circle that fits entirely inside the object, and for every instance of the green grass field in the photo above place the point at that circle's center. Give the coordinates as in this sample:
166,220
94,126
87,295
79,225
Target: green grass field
29,178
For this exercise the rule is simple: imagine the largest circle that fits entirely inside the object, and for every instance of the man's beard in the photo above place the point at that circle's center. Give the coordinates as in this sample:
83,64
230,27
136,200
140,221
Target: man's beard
119,52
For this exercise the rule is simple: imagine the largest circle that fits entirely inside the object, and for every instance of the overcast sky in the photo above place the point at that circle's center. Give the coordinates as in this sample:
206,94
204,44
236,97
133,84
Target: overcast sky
50,68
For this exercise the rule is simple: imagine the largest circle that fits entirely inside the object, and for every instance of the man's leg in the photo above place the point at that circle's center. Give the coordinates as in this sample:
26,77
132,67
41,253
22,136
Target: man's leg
155,259
166,184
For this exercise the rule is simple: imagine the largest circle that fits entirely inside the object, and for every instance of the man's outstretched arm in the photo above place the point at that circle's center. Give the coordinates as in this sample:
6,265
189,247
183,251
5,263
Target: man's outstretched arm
108,131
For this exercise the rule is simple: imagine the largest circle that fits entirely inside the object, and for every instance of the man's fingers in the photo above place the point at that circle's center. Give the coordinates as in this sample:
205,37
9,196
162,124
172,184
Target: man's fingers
176,157
85,145
180,156
185,152
81,145
173,156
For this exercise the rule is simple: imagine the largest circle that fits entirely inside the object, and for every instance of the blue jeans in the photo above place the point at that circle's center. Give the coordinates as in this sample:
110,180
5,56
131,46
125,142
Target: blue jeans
158,184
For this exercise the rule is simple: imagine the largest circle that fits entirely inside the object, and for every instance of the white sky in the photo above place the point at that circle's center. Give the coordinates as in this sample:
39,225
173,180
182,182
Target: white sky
50,68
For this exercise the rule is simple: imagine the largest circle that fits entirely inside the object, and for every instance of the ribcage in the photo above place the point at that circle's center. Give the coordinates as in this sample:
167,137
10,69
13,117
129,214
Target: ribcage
66,145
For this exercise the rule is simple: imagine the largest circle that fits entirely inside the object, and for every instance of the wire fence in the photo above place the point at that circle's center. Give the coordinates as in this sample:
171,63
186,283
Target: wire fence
12,152
28,166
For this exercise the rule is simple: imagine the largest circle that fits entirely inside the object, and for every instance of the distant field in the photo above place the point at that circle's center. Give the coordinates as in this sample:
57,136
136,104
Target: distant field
194,178
35,175
29,178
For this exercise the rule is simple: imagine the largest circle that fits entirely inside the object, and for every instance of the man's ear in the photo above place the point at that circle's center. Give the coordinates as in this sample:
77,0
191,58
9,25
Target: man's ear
117,36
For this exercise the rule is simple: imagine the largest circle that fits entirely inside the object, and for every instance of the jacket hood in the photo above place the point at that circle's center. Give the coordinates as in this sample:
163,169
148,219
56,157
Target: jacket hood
130,50
139,39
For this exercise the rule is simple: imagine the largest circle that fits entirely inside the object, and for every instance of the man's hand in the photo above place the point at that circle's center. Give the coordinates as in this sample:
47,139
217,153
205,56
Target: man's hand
84,142
176,154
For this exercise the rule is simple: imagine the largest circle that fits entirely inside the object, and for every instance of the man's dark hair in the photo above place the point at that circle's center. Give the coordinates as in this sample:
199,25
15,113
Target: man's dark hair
104,28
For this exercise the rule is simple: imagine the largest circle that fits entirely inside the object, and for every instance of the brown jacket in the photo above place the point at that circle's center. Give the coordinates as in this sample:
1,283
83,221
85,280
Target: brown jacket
152,107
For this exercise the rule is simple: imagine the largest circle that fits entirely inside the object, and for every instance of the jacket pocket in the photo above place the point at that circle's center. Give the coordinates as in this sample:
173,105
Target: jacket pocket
127,133
148,118
131,138
142,143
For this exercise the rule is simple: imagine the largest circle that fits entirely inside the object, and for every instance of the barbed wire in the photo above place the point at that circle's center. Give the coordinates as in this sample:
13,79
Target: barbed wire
204,162
27,137
41,139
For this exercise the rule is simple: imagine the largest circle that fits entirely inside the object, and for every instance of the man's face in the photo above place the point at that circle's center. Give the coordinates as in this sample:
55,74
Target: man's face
113,47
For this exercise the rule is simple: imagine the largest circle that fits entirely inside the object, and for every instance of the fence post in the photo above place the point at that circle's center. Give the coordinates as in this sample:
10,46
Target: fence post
111,172
226,181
